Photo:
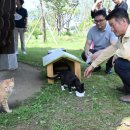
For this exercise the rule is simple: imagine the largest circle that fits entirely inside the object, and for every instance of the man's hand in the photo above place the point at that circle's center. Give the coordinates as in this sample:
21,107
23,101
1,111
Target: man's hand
88,71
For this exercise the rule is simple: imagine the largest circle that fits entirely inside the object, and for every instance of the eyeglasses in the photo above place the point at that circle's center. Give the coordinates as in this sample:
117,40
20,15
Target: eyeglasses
99,21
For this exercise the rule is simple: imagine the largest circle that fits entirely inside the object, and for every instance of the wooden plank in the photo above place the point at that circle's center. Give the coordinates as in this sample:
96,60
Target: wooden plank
77,69
50,73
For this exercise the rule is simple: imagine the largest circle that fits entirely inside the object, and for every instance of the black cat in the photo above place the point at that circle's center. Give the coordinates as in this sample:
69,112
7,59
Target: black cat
70,79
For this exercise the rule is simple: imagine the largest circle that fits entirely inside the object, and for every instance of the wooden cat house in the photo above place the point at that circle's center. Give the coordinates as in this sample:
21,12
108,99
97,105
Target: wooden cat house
60,60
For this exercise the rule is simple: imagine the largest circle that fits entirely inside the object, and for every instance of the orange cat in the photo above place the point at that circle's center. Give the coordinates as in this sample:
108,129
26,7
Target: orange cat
6,87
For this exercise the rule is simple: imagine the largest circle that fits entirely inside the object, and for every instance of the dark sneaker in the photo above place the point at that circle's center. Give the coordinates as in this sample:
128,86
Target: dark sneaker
123,90
108,70
97,69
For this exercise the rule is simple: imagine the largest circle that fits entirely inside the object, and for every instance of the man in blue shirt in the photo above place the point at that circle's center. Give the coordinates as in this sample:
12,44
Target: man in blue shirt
20,25
102,36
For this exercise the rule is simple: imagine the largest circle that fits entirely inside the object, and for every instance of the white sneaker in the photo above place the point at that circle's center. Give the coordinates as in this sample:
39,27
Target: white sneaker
24,52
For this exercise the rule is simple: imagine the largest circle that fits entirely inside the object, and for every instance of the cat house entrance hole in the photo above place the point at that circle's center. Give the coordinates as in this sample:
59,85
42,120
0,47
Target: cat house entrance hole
61,65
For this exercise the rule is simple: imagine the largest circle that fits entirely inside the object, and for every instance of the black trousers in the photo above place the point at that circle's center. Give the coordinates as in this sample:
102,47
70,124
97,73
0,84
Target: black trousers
108,64
122,68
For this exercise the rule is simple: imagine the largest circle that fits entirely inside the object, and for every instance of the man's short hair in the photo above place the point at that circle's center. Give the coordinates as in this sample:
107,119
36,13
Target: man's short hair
100,12
118,13
21,2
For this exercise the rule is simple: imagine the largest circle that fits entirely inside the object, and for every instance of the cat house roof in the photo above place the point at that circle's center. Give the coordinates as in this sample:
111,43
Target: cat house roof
57,55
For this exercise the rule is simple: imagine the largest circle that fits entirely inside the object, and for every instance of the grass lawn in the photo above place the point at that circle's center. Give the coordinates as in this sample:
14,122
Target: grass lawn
52,109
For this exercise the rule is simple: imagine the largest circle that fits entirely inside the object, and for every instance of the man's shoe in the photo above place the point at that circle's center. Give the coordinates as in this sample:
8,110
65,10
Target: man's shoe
108,70
121,89
97,69
125,98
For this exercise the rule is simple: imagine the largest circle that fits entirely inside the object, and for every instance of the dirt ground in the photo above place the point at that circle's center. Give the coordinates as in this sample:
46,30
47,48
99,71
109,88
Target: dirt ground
27,80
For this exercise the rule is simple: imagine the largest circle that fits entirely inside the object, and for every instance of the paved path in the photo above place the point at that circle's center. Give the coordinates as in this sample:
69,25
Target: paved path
27,80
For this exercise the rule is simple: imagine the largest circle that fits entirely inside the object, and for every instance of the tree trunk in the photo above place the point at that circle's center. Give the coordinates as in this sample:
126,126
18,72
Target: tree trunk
59,24
43,23
8,58
6,26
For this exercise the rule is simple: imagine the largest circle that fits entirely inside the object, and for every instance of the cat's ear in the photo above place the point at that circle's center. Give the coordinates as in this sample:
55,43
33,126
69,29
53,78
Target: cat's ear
12,79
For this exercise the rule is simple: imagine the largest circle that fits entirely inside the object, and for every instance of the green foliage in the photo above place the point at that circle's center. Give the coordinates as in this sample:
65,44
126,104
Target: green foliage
56,5
63,11
86,24
37,31
68,33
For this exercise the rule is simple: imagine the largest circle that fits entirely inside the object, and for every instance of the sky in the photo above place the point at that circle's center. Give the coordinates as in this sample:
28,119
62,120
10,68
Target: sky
31,4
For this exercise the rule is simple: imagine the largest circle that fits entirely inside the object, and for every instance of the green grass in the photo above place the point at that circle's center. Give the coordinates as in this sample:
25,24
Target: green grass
52,109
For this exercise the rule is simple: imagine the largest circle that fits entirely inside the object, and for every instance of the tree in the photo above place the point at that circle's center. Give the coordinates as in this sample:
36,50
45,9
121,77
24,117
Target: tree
70,11
43,23
61,8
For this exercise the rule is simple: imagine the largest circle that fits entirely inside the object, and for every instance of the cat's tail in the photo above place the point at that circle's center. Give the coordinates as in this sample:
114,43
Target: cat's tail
55,77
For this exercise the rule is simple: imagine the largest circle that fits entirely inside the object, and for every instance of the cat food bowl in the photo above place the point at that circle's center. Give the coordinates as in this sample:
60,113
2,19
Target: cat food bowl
79,94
